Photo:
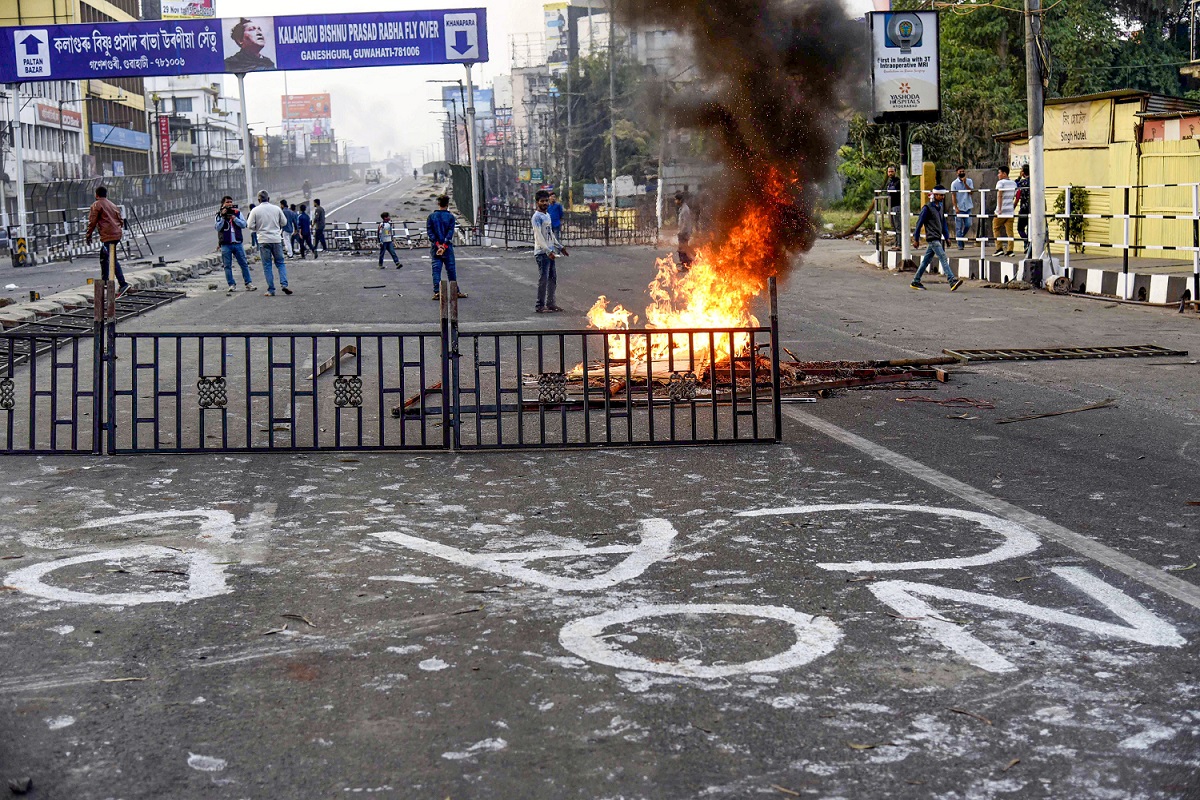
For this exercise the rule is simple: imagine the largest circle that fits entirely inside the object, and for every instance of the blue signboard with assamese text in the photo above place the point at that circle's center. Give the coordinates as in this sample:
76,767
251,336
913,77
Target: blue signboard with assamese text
240,45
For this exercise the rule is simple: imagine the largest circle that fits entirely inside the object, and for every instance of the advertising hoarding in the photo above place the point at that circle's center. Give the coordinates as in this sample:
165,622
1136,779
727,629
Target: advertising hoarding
188,9
905,71
557,32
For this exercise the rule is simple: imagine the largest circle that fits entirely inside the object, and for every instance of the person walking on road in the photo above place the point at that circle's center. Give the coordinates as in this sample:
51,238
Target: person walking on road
267,221
555,210
304,231
387,239
228,225
937,232
546,249
440,230
1006,207
289,228
961,188
106,217
318,220
687,223
306,188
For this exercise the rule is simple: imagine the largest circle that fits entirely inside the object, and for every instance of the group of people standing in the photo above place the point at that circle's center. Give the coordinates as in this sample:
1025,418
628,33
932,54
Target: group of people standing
1012,204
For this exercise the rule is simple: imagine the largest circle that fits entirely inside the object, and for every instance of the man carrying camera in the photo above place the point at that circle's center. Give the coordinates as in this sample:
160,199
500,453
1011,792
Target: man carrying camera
229,225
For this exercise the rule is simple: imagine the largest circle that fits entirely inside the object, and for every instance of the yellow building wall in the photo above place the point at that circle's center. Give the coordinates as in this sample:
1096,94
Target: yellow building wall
39,12
1121,164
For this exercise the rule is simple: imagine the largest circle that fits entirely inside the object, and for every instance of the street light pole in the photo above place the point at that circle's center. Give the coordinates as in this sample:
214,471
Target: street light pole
471,150
1035,112
241,79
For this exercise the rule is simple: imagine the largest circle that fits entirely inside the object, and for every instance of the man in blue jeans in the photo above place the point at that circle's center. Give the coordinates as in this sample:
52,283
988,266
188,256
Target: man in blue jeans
545,249
267,221
937,233
440,230
229,224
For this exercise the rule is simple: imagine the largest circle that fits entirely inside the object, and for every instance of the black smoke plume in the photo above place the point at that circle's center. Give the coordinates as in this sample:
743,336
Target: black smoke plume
777,81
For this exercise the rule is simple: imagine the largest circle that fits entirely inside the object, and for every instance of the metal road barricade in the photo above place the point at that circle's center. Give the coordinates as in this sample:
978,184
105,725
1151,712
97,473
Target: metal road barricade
1131,219
512,226
109,391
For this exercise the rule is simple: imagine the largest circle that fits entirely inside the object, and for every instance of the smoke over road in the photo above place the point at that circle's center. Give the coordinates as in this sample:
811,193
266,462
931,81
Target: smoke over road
776,80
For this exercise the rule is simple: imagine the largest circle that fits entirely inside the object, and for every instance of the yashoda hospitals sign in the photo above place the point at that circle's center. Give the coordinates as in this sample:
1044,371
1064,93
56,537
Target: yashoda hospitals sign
242,44
905,73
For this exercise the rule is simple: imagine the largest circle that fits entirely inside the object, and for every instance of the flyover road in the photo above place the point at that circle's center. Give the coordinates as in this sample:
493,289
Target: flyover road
902,599
345,202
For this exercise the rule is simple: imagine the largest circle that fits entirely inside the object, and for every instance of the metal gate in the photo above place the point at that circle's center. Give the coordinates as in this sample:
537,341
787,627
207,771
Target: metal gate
117,392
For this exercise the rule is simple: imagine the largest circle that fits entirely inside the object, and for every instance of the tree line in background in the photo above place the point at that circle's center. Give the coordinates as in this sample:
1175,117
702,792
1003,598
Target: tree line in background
1095,46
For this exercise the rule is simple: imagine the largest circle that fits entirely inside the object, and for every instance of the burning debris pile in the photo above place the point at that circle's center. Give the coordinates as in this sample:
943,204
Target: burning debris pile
774,77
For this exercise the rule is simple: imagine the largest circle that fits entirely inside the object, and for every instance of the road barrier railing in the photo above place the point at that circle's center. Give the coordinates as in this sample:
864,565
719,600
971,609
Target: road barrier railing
1152,218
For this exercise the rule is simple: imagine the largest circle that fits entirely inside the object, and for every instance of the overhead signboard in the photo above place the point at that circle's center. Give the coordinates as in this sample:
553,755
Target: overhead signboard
112,136
239,45
905,72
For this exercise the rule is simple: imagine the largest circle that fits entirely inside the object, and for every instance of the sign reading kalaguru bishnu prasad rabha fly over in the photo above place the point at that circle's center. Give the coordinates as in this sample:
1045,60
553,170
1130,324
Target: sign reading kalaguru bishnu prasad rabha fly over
241,44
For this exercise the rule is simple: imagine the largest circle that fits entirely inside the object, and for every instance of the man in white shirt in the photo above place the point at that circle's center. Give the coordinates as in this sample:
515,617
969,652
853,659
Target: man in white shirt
960,194
545,249
1006,208
267,222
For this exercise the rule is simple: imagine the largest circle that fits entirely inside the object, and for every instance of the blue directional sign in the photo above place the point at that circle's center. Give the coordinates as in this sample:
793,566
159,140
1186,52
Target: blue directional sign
239,45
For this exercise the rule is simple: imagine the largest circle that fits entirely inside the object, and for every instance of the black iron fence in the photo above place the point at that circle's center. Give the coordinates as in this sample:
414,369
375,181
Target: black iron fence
513,225
116,392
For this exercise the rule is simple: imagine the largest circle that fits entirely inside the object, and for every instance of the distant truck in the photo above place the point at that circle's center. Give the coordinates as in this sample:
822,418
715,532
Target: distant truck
374,176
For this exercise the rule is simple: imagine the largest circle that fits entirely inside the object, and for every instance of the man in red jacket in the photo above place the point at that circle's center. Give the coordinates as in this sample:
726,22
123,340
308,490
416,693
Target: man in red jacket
107,217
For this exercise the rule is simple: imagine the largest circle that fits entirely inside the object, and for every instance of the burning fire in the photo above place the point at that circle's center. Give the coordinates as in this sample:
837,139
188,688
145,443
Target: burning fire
714,294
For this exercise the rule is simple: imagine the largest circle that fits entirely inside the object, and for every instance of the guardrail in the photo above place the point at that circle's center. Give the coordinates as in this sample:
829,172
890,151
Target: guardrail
1067,215
512,225
56,213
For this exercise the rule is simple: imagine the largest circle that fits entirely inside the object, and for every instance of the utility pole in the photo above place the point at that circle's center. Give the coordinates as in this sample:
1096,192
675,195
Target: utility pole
471,151
1035,109
612,95
570,69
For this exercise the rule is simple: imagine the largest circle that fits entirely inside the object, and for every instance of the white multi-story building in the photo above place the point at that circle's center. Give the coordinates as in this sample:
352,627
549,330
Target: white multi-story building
51,132
204,123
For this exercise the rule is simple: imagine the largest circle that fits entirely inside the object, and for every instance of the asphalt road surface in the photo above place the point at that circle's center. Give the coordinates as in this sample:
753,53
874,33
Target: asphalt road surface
350,201
902,599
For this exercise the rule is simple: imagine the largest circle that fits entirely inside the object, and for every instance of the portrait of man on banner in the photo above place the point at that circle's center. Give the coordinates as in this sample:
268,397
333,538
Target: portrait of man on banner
249,43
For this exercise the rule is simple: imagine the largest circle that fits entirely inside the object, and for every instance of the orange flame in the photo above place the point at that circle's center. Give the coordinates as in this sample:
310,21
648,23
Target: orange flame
714,294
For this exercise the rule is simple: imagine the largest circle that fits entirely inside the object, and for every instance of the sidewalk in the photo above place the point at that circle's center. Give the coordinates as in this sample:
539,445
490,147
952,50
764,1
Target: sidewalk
1153,280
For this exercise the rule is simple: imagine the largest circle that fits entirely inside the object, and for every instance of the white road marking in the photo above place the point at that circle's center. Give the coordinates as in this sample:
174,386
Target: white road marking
1113,559
368,194
1018,541
215,524
205,763
206,578
655,545
486,746
1142,625
815,637
1143,740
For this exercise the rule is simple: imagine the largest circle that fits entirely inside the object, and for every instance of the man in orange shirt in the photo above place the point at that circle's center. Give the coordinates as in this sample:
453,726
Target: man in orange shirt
107,218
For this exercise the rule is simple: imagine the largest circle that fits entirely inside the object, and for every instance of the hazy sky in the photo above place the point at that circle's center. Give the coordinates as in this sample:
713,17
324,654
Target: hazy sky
390,109
386,108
